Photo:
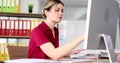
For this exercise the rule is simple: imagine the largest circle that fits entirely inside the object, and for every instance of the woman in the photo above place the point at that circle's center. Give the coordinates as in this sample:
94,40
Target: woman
44,38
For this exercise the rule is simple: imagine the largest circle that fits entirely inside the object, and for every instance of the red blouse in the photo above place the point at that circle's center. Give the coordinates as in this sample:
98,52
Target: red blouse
39,36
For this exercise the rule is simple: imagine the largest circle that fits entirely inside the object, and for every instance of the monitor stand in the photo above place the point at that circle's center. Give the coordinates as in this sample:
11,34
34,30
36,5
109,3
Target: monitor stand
109,46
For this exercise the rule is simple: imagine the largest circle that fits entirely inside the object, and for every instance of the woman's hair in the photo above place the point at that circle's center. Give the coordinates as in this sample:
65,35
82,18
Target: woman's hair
49,4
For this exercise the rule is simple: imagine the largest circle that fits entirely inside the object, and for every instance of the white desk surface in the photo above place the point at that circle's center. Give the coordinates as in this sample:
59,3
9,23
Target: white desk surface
64,60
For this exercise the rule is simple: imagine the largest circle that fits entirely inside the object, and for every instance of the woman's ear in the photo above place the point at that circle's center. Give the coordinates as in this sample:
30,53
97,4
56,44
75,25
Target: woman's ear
46,12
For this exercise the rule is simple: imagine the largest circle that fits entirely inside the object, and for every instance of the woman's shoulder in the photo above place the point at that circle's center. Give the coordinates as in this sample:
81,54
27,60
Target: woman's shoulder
39,27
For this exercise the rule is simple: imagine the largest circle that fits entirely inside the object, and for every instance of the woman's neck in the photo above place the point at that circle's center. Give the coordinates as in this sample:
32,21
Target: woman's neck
50,24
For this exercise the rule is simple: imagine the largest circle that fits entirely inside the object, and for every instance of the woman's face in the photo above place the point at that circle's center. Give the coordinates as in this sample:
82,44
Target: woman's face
56,13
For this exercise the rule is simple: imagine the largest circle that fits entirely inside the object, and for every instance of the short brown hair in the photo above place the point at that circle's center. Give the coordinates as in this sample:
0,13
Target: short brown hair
49,4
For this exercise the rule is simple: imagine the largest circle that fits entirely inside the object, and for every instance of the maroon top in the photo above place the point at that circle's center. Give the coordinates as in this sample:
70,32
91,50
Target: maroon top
39,36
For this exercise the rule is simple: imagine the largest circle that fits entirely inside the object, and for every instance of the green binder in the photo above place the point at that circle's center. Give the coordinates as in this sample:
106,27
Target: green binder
4,5
12,7
0,5
8,6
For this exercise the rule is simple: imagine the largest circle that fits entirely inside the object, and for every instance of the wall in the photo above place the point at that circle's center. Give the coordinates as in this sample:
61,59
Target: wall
70,30
24,6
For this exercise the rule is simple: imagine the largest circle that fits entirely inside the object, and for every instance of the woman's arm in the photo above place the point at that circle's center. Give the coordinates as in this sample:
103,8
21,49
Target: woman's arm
57,53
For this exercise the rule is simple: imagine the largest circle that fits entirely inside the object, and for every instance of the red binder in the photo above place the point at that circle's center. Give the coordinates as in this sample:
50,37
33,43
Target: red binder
16,27
0,27
7,27
20,27
3,27
12,31
24,27
28,27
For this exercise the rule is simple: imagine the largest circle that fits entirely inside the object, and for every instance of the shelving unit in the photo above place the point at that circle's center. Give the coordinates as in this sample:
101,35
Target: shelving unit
19,15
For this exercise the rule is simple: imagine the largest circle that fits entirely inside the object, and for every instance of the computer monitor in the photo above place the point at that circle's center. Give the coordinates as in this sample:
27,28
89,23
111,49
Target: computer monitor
102,17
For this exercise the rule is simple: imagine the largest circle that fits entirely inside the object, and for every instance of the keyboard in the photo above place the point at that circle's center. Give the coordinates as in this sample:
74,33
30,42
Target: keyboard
92,54
87,54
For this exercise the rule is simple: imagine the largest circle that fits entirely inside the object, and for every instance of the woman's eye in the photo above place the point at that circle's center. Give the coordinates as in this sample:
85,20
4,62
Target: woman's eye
57,10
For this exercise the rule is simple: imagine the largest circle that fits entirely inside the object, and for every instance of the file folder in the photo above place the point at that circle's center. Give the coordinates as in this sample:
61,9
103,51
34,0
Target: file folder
17,6
8,6
7,27
20,26
4,5
28,27
12,8
36,23
16,27
24,27
3,27
0,5
7,2
12,32
0,27
32,25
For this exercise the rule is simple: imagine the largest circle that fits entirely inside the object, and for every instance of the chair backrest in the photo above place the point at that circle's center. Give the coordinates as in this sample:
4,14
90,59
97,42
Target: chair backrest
17,52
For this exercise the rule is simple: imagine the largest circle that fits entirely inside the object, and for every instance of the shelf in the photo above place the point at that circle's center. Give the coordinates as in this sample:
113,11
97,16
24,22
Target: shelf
28,15
17,37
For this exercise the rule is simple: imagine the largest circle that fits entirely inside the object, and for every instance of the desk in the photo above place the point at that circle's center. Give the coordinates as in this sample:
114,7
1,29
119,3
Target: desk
51,61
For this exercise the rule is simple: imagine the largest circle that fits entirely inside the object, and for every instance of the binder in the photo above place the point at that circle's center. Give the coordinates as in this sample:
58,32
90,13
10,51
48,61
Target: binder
39,21
3,27
20,27
24,27
0,28
7,2
12,8
28,27
12,32
36,23
32,25
7,27
16,27
8,6
0,5
4,5
17,6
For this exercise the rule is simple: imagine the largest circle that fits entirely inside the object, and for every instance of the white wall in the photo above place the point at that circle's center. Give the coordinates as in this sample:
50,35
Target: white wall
70,30
24,6
74,13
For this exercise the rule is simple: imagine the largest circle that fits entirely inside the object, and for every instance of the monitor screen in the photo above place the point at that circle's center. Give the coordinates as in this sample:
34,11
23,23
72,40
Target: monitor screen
102,17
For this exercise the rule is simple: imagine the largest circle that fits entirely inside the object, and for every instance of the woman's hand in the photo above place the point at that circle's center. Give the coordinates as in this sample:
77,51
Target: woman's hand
76,51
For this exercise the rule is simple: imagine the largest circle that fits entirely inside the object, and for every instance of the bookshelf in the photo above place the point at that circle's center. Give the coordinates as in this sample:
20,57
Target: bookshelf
18,15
